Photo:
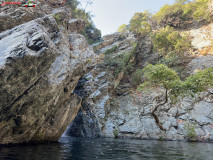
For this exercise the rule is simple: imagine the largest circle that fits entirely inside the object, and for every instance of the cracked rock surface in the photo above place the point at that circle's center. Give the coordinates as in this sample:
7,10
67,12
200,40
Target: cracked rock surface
128,113
38,73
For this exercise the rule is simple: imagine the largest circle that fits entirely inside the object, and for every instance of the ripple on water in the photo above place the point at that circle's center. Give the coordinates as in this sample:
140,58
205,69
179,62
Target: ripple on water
70,148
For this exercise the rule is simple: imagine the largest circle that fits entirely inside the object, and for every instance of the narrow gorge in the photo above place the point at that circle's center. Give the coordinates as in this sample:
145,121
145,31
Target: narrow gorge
54,81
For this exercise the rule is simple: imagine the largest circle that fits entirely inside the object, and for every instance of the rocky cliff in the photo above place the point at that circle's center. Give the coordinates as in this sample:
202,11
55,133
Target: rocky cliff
112,107
42,58
50,77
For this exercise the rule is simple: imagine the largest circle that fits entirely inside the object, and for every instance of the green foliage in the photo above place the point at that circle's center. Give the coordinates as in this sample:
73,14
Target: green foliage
168,11
171,60
137,75
140,23
161,138
190,130
185,10
167,40
194,84
123,28
57,18
88,61
118,64
200,81
92,34
116,133
129,68
161,75
111,50
197,10
78,12
73,4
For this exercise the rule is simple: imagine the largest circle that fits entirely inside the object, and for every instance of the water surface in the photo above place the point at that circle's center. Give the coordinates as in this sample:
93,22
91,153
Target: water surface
109,149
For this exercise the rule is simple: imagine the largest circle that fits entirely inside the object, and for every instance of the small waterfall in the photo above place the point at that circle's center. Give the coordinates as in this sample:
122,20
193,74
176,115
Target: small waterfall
66,132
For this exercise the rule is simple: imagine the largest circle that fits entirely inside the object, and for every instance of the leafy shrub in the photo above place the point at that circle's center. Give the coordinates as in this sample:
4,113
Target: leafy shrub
137,75
57,18
92,34
163,76
116,133
172,60
175,89
129,68
197,10
111,50
140,23
168,11
184,11
190,131
123,28
200,81
119,63
167,40
159,75
194,84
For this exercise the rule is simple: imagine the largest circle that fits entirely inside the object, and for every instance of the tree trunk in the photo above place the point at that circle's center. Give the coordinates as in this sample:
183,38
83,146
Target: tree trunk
155,109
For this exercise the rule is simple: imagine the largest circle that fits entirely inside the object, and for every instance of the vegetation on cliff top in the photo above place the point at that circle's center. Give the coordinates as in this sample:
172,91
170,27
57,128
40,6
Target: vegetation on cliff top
163,28
183,12
140,23
91,33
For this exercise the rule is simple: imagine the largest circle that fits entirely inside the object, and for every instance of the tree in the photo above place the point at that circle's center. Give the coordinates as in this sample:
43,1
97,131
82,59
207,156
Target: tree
91,33
140,23
175,89
123,28
162,76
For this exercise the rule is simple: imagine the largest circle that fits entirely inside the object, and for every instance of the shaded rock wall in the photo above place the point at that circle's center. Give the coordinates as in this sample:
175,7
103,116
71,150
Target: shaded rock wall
97,89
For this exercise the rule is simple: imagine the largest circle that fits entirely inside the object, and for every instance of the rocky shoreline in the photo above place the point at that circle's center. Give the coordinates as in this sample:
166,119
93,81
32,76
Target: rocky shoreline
50,77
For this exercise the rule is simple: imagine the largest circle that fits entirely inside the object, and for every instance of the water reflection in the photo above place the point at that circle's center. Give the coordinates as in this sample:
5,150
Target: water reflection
108,149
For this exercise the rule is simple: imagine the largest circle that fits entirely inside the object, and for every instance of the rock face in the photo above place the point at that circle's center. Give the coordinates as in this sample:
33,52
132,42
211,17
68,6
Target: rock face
113,108
49,79
97,87
202,37
131,117
41,62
